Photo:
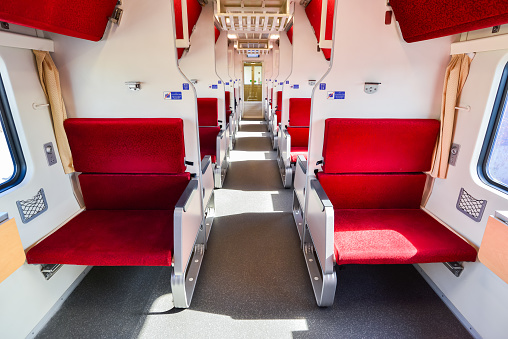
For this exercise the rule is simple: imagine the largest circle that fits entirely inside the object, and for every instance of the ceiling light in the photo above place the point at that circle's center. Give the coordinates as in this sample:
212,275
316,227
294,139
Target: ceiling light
227,21
274,36
231,36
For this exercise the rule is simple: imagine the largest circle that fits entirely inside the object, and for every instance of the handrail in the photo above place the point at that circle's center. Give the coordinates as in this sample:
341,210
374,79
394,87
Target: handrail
320,193
187,195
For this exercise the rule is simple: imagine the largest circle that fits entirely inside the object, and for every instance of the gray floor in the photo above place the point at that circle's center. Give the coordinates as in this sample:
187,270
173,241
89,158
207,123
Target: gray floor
253,282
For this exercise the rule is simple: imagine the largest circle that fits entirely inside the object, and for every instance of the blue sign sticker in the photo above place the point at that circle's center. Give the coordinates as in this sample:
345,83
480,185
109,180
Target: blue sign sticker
220,82
322,86
186,87
215,87
176,95
167,95
287,82
330,95
227,83
340,95
296,86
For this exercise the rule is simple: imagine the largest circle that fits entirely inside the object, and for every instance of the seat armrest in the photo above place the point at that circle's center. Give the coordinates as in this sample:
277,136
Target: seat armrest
285,147
300,180
221,145
187,221
320,222
207,177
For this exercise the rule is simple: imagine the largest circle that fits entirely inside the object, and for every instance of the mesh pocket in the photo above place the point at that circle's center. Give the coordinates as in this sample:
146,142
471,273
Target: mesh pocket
31,208
471,206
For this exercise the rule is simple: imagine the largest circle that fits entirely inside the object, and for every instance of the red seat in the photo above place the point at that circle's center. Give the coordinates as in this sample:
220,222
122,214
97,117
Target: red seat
279,107
227,100
208,142
134,175
373,176
299,142
299,120
208,127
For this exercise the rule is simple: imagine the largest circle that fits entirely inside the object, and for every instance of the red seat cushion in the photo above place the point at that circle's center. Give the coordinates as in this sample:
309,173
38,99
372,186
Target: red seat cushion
299,111
296,151
386,236
207,112
373,190
379,145
132,191
79,19
109,238
127,145
208,141
299,136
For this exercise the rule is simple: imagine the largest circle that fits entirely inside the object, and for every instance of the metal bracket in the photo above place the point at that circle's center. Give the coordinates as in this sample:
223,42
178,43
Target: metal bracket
454,153
48,270
455,267
116,16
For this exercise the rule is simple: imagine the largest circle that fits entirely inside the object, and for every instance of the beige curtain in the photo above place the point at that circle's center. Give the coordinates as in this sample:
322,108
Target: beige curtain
455,78
50,82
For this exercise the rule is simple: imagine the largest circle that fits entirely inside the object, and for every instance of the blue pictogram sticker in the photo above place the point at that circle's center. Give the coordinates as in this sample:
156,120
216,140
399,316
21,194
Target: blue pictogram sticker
296,86
186,87
227,83
215,86
167,95
330,95
322,86
287,82
220,82
340,95
176,95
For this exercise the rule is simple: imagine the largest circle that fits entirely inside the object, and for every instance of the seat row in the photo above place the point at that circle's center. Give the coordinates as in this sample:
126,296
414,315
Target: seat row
142,205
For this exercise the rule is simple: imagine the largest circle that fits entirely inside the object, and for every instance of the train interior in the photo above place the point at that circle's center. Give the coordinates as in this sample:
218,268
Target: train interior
253,169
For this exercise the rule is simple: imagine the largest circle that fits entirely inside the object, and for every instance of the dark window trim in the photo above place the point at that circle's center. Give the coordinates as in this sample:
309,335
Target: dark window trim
12,141
491,132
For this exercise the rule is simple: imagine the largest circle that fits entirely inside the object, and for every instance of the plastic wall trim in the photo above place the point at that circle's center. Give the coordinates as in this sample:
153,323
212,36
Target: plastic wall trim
9,39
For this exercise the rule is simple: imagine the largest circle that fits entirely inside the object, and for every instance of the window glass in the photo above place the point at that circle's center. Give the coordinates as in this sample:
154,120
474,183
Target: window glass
497,160
6,161
12,162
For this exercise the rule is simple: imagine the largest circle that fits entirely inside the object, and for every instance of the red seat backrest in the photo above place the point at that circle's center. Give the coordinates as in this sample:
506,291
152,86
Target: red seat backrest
299,136
379,145
207,112
129,164
299,111
134,145
377,163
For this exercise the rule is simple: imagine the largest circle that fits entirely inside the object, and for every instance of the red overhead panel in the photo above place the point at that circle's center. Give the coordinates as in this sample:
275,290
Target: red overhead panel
290,35
193,12
428,19
79,19
217,34
313,11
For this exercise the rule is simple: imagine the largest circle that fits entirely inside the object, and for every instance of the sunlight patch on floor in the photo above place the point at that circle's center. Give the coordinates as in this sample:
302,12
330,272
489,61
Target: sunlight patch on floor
251,155
188,323
232,202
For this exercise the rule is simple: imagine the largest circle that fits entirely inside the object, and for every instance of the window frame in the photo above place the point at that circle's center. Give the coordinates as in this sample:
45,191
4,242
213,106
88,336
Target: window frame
11,134
488,141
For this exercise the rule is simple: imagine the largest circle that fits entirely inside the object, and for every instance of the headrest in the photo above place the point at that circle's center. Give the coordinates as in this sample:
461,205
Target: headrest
379,145
207,112
299,111
132,145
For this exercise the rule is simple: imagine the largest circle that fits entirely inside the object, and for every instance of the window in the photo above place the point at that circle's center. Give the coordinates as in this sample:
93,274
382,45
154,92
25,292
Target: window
493,164
12,162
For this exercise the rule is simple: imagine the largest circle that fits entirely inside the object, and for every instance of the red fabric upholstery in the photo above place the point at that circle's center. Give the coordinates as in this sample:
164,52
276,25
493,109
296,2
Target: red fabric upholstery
109,238
296,151
208,141
290,35
132,192
377,216
279,107
299,111
313,11
428,19
127,145
79,19
217,34
299,136
227,100
387,236
193,12
379,145
208,112
380,191
327,52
